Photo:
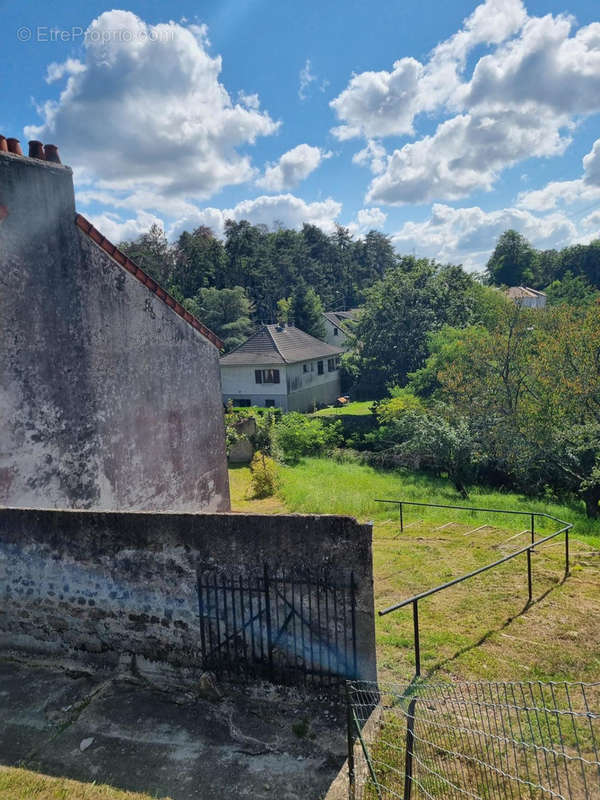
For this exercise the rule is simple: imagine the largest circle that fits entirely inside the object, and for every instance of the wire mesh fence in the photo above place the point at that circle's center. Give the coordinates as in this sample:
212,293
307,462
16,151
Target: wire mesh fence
487,741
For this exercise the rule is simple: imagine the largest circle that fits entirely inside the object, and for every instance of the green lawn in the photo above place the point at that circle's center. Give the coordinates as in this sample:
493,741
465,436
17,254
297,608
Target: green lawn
483,628
22,784
357,409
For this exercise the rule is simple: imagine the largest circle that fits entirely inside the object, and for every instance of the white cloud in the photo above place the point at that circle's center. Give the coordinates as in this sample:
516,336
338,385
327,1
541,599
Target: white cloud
306,77
581,191
368,219
293,167
465,153
56,71
591,165
376,104
287,209
468,235
521,100
148,112
117,230
372,156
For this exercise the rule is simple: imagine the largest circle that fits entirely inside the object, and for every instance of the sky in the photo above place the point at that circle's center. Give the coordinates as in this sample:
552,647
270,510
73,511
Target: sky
440,123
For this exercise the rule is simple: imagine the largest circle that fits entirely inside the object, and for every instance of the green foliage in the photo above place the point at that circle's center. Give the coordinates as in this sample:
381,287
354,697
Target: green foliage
306,311
515,262
512,262
572,290
297,435
199,258
413,300
227,312
263,475
152,253
401,400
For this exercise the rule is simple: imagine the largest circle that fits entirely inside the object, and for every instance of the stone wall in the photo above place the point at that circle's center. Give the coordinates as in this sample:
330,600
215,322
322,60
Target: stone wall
101,587
109,399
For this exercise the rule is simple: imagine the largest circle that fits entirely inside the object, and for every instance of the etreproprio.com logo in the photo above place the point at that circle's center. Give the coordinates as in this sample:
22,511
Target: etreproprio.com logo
45,33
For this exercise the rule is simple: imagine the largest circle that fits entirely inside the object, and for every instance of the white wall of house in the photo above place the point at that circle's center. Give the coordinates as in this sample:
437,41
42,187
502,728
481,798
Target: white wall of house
331,337
301,387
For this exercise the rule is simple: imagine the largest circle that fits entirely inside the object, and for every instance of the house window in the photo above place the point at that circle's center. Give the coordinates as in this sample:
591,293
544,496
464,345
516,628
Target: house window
243,403
305,368
270,376
320,367
331,365
269,403
266,375
335,331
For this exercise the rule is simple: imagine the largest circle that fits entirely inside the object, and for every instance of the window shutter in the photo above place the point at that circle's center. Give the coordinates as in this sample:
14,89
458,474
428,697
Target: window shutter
258,376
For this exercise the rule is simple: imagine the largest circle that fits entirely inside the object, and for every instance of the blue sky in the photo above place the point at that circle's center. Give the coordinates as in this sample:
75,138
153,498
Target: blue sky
440,123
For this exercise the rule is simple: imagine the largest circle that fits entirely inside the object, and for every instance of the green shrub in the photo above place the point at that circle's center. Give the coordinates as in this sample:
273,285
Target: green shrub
297,435
263,475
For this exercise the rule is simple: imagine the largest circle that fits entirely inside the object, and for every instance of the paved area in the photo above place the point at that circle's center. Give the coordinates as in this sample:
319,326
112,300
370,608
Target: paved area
246,743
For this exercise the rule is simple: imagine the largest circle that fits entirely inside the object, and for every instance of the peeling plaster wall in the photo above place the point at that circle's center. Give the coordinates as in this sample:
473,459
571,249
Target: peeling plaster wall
97,586
109,400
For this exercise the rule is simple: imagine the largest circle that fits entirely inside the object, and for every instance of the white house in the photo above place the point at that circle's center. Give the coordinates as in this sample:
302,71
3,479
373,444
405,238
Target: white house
337,326
524,296
284,367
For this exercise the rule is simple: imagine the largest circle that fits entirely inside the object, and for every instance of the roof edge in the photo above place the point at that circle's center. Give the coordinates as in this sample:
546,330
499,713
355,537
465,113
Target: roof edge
143,277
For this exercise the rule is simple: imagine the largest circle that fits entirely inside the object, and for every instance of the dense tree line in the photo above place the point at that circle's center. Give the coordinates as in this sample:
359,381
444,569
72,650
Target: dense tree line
270,265
569,275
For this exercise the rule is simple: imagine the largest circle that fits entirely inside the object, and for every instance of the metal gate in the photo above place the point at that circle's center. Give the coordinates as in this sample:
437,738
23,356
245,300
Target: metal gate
286,628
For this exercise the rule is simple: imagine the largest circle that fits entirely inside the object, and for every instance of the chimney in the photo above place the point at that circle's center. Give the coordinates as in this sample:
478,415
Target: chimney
3,144
51,151
14,147
36,150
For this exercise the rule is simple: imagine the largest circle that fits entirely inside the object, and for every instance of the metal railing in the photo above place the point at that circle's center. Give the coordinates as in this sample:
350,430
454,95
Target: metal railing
414,601
515,740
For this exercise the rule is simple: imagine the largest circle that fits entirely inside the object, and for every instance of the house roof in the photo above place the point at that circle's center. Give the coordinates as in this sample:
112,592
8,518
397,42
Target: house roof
523,291
335,319
131,267
278,344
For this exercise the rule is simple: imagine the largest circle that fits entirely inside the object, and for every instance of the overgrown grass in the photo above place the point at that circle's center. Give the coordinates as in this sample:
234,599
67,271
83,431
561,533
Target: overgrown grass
356,409
324,486
21,784
483,628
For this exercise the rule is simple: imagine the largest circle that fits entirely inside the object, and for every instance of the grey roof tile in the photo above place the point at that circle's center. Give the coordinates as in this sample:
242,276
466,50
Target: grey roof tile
276,344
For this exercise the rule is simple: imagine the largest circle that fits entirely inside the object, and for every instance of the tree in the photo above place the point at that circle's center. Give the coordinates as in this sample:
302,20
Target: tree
199,261
227,312
572,290
512,261
152,253
390,338
306,311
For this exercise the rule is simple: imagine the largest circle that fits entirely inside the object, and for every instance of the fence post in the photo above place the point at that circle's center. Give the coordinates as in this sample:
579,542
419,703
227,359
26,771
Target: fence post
410,743
350,732
416,635
529,584
268,615
533,529
567,552
401,519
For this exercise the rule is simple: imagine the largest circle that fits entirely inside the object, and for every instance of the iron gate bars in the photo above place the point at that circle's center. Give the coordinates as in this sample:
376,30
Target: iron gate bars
414,601
286,628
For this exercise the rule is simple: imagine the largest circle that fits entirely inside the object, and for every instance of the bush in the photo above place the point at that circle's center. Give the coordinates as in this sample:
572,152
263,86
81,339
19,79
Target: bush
297,436
263,475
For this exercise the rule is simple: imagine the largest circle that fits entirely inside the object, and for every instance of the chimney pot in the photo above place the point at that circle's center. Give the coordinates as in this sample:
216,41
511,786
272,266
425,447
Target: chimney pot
3,144
51,151
36,150
14,147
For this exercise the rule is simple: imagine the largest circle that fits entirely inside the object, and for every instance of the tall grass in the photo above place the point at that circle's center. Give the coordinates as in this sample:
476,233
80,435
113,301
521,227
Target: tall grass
324,486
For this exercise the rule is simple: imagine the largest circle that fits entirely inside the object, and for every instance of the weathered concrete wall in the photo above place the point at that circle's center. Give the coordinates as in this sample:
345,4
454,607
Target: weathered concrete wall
109,400
98,586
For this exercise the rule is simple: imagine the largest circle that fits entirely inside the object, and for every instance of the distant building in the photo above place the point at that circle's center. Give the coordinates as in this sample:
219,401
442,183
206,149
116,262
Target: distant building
525,296
337,326
283,367
109,388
